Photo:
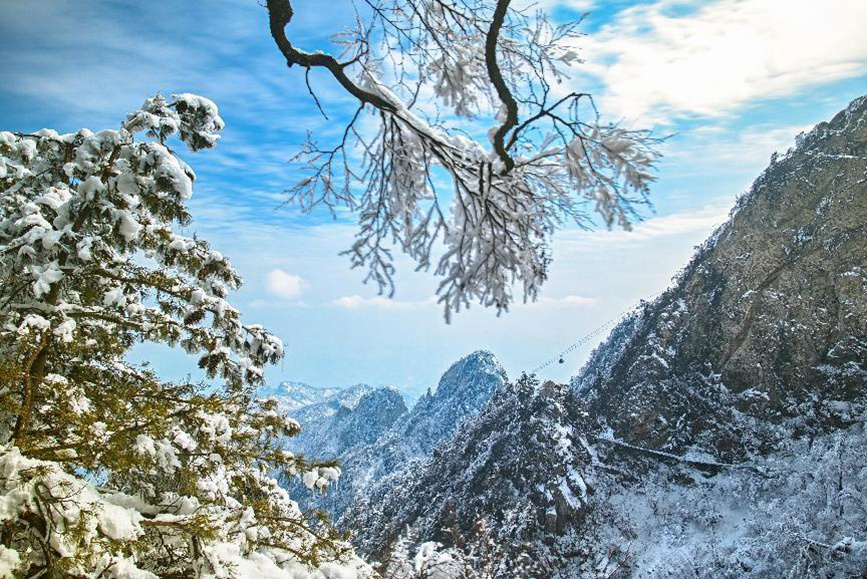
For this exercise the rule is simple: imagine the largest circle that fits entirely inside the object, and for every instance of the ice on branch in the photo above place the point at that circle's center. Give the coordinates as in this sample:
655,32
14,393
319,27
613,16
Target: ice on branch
478,155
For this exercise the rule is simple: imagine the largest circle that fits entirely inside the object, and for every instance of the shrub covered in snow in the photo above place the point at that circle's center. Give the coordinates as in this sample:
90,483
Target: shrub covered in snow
480,556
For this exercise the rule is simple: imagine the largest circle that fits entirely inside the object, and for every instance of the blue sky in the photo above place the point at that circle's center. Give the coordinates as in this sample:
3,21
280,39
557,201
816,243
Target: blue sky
730,80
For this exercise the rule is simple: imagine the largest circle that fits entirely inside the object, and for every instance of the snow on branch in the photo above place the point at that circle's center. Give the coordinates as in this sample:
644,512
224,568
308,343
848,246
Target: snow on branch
106,470
480,211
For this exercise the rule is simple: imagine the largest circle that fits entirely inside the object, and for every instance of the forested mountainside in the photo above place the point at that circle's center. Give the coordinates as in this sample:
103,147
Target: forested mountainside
378,435
718,431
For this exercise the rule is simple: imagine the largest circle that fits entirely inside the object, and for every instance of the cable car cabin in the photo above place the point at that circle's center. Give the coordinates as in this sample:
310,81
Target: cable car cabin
562,361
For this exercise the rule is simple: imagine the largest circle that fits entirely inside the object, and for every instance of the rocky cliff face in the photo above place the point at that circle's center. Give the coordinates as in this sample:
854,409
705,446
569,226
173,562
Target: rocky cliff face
519,462
713,434
332,428
462,391
765,334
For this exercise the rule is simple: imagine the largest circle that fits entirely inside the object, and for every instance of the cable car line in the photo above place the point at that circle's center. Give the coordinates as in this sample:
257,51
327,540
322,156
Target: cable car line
561,357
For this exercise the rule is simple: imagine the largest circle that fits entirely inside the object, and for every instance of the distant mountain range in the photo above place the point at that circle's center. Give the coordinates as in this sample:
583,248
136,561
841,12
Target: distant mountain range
372,432
295,395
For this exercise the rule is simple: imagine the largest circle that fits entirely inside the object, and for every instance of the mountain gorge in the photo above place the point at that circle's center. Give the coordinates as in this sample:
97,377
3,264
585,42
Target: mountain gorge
717,432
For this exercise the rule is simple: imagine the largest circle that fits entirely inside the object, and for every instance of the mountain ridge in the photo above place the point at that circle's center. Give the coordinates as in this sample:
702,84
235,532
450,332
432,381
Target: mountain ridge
711,390
380,436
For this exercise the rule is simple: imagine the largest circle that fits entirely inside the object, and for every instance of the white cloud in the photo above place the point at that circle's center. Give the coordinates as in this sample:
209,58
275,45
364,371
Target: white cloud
692,222
576,301
570,301
286,285
356,302
673,57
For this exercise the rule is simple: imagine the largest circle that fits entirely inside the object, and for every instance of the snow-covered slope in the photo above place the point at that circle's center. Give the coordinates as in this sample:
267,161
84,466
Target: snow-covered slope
321,412
295,395
313,414
357,417
517,462
718,432
462,391
765,333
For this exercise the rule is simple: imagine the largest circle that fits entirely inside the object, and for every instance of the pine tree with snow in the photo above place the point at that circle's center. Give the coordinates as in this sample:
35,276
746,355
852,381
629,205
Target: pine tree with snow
106,470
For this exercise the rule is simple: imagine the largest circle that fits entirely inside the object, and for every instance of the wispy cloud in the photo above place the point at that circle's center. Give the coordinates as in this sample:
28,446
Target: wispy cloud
701,220
572,301
356,302
566,302
676,57
722,144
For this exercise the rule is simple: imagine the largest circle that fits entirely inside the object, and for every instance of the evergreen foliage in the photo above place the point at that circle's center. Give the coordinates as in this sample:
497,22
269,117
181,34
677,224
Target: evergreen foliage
106,470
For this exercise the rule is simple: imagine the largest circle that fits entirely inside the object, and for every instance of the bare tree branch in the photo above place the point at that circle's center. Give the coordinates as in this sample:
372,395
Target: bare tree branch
280,15
500,84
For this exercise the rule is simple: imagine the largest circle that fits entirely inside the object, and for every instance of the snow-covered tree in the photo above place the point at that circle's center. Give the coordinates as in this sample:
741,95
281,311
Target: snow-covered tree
427,180
105,470
479,556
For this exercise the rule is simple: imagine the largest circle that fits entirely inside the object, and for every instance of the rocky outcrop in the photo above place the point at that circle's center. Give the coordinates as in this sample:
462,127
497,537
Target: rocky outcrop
357,416
765,333
518,463
373,416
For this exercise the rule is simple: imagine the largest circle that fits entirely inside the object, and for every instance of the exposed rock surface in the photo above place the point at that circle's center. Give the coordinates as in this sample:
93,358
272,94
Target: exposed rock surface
769,319
330,429
514,463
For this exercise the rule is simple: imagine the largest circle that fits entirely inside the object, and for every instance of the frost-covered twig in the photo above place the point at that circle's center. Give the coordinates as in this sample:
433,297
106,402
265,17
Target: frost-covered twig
545,159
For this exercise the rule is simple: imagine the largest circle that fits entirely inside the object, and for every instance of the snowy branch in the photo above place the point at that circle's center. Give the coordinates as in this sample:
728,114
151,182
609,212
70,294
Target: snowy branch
426,183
